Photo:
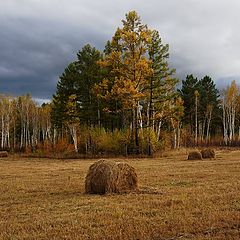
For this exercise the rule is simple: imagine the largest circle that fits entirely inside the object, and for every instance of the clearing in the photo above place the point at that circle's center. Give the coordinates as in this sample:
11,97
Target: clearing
198,199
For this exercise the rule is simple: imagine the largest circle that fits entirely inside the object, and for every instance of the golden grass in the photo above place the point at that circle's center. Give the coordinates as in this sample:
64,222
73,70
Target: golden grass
44,199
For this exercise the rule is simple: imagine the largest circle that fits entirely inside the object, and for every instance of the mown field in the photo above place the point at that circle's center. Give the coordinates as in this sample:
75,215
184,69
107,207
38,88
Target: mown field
182,199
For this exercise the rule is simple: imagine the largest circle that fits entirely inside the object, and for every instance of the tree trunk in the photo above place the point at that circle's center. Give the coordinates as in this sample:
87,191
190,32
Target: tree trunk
224,123
2,140
208,125
178,135
196,119
99,116
73,132
175,138
136,130
159,130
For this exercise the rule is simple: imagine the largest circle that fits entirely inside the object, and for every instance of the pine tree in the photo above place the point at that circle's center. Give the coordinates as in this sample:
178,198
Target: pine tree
189,86
161,84
66,87
89,74
209,111
204,119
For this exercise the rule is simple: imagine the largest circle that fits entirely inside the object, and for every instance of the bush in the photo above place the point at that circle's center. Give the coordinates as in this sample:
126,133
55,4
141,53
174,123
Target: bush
110,142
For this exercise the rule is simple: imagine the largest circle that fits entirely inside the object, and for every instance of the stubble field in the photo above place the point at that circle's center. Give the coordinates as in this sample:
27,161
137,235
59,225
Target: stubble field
180,199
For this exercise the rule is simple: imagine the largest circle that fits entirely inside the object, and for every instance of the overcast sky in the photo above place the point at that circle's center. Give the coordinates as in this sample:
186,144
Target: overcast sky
38,38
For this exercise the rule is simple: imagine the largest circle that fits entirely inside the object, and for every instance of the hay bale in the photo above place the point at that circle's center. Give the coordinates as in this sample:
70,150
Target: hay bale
128,179
208,153
3,154
194,155
106,177
100,177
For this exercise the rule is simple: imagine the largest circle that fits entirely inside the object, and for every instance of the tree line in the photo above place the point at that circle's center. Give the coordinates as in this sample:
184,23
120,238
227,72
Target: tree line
23,123
125,99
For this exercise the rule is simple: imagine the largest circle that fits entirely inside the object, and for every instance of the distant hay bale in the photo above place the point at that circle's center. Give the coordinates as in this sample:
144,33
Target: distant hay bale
194,155
106,177
208,153
3,154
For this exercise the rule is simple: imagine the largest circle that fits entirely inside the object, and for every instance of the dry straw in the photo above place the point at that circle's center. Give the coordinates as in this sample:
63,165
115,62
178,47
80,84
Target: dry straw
194,155
208,153
106,177
3,154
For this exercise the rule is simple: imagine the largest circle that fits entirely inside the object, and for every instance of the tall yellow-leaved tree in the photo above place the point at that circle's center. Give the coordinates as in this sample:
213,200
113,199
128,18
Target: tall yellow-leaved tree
130,67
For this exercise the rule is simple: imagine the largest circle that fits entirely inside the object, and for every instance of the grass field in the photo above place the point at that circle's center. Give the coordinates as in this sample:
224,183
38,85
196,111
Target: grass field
44,199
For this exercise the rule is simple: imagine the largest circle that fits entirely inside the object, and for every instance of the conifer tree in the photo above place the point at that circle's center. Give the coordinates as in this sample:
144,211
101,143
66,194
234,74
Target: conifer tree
89,74
209,111
66,87
160,87
207,106
189,86
130,67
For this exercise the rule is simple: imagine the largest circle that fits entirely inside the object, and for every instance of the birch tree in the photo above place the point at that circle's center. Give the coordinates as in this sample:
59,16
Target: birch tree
175,115
230,101
6,111
72,119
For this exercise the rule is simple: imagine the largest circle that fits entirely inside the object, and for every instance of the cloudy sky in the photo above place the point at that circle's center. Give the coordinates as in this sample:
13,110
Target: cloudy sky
38,38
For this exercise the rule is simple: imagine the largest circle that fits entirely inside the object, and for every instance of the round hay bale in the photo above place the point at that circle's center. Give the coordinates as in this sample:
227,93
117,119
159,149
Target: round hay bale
3,154
208,153
106,177
194,155
127,178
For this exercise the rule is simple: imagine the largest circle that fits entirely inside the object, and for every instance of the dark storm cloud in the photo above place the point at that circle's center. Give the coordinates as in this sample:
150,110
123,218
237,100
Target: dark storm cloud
39,38
35,48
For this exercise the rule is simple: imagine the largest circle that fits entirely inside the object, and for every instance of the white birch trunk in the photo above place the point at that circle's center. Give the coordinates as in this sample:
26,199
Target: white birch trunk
159,130
73,132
